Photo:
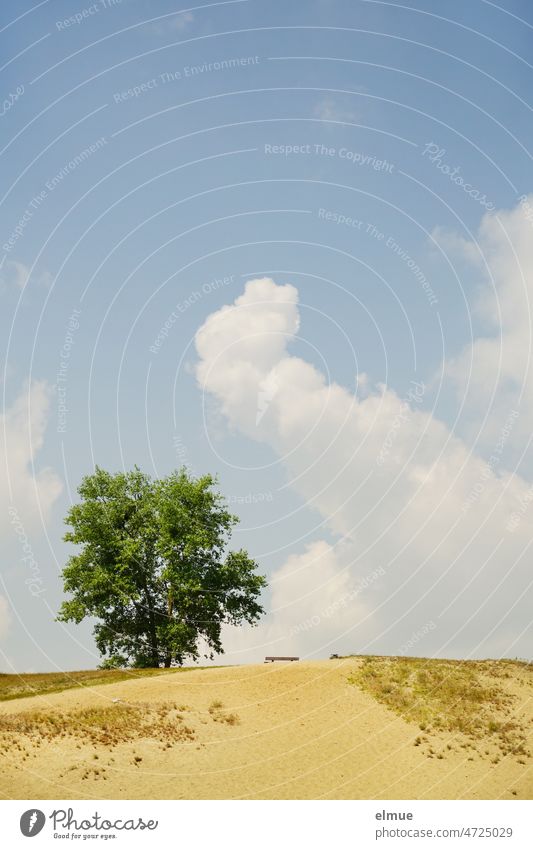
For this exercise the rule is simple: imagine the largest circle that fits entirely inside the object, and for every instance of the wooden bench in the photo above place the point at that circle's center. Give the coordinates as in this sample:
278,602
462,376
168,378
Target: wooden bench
272,659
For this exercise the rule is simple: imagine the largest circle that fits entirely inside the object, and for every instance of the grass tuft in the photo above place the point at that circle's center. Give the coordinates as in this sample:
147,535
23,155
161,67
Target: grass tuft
220,715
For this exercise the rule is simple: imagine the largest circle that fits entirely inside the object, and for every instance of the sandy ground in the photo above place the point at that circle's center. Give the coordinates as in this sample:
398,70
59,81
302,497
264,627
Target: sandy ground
304,732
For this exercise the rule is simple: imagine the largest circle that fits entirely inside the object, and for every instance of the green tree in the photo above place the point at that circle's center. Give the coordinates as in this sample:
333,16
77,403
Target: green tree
154,568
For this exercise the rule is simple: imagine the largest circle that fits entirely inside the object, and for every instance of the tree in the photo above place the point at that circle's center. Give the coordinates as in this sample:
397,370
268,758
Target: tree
154,568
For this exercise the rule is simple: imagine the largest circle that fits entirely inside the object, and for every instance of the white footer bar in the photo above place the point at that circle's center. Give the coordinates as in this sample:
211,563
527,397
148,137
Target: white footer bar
269,825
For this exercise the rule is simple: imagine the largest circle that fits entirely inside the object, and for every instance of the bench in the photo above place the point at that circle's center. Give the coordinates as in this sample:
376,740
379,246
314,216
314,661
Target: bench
272,659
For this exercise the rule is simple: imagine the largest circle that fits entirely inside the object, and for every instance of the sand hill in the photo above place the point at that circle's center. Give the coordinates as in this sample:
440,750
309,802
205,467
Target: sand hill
322,729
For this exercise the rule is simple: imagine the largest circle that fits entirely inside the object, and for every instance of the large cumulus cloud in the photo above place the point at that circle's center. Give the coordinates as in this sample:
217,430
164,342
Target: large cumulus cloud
405,497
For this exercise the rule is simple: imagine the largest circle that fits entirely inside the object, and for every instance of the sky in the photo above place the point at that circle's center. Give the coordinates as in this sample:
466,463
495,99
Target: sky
289,244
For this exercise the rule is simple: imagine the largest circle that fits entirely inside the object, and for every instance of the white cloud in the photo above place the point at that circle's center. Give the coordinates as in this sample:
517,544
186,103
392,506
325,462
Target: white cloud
5,617
13,275
22,428
16,275
453,243
430,514
314,604
492,374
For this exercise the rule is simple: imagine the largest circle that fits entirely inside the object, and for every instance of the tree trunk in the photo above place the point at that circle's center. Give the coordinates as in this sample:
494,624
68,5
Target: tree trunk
170,610
152,633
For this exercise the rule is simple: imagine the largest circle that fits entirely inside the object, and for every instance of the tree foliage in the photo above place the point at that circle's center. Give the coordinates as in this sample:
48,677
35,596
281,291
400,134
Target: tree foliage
154,569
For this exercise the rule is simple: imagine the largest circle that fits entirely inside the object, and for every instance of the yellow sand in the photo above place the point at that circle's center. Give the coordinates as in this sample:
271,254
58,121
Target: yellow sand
304,732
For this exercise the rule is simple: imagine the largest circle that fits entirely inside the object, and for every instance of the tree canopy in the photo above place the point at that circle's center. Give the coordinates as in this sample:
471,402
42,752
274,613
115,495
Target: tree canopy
154,568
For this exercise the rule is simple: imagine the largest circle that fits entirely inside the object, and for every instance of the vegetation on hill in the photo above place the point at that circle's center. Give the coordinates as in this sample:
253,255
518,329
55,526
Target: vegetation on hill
42,683
465,700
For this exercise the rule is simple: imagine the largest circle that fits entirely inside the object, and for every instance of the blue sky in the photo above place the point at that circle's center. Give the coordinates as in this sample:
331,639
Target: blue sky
374,157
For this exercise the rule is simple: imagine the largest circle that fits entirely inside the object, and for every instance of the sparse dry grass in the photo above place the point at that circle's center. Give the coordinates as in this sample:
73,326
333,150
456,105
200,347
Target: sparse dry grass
107,726
463,697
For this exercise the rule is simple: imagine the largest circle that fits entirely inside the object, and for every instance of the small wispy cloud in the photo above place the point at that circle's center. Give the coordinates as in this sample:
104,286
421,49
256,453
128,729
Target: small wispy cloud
16,275
22,432
176,23
454,244
329,109
13,274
